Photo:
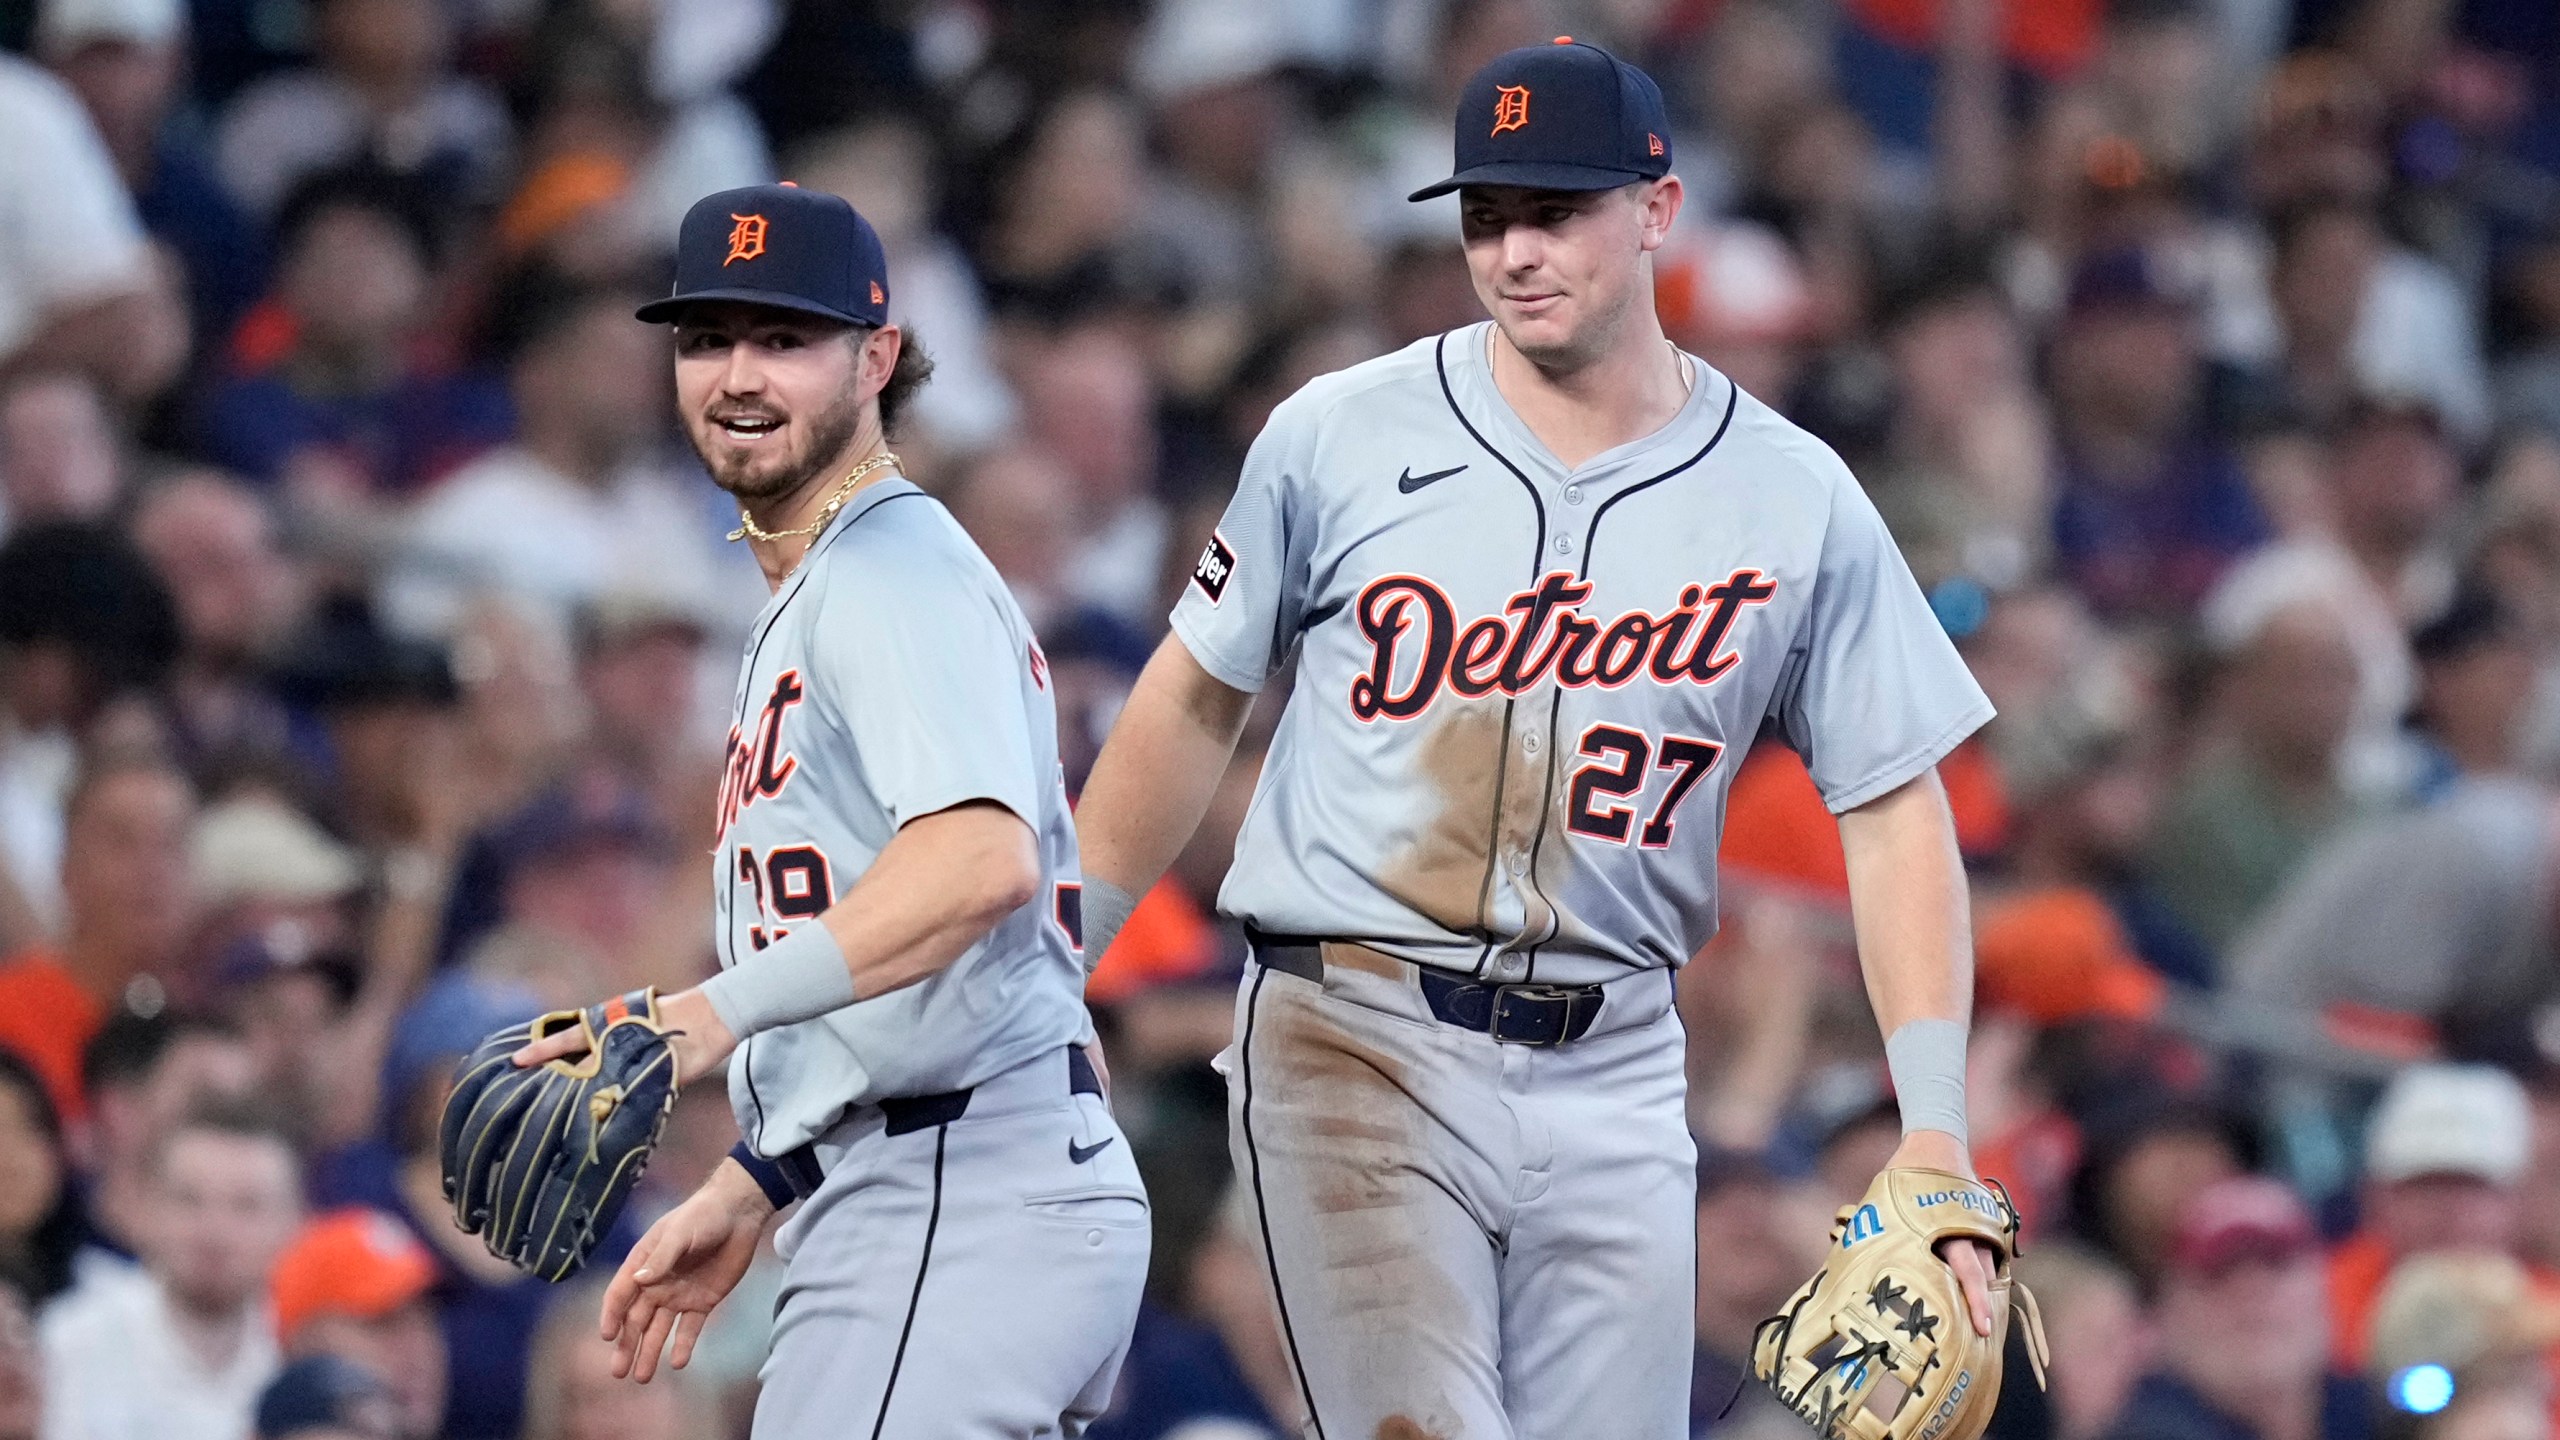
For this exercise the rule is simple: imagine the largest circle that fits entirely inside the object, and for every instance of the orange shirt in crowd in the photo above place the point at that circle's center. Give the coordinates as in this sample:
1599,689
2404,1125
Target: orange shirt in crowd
2358,1266
48,1019
1776,827
2051,37
2060,953
1166,939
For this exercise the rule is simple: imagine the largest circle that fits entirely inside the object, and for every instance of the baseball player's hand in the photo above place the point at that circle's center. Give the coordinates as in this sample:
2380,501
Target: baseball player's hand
1101,1068
694,1033
687,1263
1972,1262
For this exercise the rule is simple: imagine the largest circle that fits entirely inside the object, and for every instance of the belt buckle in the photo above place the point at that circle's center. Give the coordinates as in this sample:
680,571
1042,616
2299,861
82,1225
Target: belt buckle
1551,1000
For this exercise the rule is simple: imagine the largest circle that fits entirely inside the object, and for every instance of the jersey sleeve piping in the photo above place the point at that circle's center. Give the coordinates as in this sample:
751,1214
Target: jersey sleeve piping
1904,768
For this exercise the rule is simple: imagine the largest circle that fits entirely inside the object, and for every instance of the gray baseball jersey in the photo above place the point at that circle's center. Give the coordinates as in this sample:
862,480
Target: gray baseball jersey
891,676
1523,688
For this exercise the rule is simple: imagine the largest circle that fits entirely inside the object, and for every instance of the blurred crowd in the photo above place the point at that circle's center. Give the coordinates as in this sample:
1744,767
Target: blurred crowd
366,634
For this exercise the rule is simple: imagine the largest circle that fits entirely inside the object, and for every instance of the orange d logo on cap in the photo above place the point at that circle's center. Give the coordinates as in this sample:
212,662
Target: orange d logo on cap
1510,108
746,238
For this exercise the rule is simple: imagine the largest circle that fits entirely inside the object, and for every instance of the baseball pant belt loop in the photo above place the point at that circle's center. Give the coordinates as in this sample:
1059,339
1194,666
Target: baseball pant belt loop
904,1115
1512,1014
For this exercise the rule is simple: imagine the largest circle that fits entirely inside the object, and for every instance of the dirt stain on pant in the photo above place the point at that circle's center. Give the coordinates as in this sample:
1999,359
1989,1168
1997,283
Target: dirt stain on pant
1349,1189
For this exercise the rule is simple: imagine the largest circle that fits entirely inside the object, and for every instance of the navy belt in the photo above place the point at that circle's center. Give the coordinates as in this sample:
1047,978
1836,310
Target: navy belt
904,1115
1512,1014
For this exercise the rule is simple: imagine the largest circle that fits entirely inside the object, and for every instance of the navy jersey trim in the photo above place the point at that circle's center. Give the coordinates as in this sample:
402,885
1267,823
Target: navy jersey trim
1510,705
755,651
1555,707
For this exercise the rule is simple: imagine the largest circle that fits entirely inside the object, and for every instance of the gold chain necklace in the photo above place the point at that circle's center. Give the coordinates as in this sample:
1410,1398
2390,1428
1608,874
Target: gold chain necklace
748,529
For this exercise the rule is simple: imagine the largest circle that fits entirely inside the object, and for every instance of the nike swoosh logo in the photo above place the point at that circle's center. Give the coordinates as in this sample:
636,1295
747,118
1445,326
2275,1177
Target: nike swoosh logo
1408,482
1078,1154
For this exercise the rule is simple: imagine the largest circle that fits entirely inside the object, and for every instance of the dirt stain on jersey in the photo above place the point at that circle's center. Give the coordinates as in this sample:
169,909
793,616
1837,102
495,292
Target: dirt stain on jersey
1488,797
1405,1427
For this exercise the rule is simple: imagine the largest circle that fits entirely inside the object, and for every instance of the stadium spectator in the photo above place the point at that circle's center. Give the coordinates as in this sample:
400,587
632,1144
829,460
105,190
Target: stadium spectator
581,872
144,1076
2149,1154
21,1368
2151,506
2475,688
571,1392
127,61
585,500
183,1349
324,391
324,1397
2267,787
2433,916
76,288
85,629
354,1284
1209,1358
2243,1343
214,544
41,1225
382,93
128,905
2444,1162
1754,1249
384,706
60,455
646,669
2101,1338
1086,394
2475,1319
1011,501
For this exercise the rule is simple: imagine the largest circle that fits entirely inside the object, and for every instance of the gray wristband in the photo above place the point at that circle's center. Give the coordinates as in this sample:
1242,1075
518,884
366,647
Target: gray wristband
799,977
1106,909
1926,1058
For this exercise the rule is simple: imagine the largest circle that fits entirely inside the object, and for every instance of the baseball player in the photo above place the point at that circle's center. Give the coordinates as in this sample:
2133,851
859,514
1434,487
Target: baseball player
1543,580
900,1003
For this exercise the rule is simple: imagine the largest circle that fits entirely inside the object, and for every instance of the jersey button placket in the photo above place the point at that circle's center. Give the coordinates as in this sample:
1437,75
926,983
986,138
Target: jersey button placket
1564,545
1573,494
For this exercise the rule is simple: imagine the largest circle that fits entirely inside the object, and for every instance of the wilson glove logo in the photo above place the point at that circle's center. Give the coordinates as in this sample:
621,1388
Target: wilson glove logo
1977,1201
1865,1224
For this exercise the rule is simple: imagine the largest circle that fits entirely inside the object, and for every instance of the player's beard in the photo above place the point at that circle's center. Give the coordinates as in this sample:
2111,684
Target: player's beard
756,480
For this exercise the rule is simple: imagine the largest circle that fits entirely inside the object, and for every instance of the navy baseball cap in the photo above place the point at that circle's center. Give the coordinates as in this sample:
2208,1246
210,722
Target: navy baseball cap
1566,116
782,246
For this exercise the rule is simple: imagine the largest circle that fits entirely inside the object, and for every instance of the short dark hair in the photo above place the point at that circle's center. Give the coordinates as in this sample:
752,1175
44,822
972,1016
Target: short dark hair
407,203
85,588
129,1047
914,367
239,1118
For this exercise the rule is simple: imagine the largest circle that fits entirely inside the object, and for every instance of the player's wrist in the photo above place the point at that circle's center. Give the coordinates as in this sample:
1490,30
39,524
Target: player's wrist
744,1185
1933,1150
1926,1060
701,1039
798,977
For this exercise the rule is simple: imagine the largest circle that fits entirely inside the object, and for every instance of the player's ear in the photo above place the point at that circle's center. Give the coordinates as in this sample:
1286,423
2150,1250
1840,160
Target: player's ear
879,357
1658,205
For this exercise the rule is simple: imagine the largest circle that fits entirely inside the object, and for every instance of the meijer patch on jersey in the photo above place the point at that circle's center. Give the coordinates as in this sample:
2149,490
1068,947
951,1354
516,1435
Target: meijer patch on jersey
1217,562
